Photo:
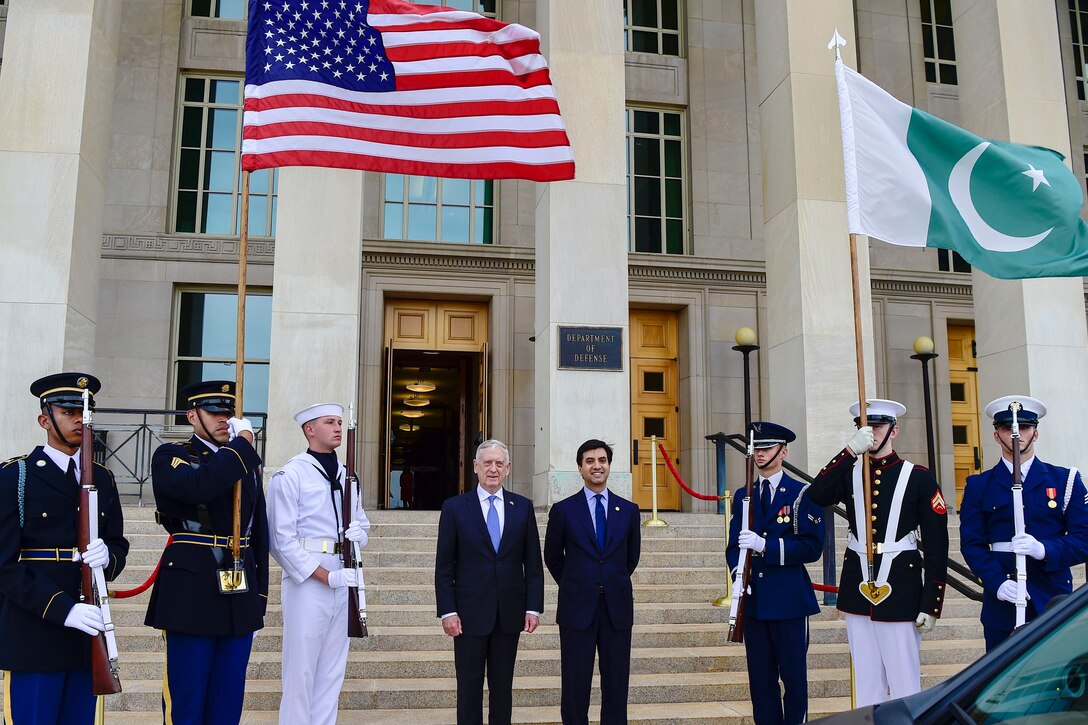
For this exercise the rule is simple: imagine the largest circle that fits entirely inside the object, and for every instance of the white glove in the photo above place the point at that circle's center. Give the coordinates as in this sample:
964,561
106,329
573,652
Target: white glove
343,578
752,540
237,425
862,441
1007,592
355,532
1028,545
96,555
925,622
85,618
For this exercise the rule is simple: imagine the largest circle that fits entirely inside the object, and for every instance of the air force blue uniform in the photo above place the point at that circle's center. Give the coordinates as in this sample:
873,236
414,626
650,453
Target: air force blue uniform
986,517
781,599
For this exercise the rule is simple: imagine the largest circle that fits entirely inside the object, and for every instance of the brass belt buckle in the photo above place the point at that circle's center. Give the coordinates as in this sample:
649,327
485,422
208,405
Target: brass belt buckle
232,581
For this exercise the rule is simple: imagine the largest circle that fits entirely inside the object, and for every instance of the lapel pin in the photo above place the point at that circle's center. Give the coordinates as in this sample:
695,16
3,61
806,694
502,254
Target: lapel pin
617,508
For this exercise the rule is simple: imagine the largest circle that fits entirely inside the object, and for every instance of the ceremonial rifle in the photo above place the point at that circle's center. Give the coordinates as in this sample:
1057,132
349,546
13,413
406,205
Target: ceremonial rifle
105,667
744,568
349,549
1018,519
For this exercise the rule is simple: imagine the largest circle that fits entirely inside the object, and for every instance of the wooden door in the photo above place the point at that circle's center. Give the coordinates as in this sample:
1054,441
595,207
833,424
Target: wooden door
963,381
654,406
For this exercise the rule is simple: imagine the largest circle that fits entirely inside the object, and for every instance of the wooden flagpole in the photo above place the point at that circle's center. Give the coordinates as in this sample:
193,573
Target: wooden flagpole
859,354
240,354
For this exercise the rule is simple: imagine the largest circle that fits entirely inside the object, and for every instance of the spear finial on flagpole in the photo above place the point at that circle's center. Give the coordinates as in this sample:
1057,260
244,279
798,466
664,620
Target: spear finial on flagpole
837,41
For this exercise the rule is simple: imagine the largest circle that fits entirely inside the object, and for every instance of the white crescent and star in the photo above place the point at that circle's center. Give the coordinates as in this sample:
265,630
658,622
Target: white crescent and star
959,189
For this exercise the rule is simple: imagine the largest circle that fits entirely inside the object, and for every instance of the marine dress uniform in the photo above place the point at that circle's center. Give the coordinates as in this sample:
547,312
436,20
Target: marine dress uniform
1055,515
208,633
907,508
781,599
47,677
305,501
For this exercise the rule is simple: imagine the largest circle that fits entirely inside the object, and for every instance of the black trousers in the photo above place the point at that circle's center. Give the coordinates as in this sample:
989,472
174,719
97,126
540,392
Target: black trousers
473,655
613,649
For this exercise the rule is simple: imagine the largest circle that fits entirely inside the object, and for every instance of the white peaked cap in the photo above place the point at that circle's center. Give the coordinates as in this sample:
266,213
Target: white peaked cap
877,407
320,410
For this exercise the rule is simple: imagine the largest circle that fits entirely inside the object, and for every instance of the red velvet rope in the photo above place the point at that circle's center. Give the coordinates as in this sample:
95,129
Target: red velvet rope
126,593
672,468
825,588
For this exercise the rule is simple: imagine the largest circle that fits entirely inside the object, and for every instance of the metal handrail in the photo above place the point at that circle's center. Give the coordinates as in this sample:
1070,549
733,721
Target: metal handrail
967,587
141,432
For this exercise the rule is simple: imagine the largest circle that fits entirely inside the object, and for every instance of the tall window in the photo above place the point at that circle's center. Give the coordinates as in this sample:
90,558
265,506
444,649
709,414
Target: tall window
209,179
655,181
938,45
226,9
206,325
652,26
428,209
1078,22
949,261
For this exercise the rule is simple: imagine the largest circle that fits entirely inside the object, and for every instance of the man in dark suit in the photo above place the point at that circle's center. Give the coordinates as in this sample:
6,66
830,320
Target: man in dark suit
787,532
45,626
489,584
207,621
591,548
1055,538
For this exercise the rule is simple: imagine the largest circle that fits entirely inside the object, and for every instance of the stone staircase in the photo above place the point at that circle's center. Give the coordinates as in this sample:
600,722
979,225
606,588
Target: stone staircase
683,668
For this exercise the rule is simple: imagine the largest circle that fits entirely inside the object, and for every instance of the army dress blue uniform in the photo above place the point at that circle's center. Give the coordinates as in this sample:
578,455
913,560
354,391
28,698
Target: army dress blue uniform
1055,513
781,598
208,633
47,665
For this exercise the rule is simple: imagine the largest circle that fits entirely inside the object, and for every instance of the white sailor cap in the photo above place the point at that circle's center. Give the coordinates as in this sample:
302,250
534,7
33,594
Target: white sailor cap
1031,410
878,410
320,410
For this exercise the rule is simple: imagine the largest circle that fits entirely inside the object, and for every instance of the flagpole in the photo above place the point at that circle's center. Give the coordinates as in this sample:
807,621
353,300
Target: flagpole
240,352
859,354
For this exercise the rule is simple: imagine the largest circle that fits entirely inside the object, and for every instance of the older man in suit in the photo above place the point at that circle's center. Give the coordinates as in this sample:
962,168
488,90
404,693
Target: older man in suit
489,583
591,549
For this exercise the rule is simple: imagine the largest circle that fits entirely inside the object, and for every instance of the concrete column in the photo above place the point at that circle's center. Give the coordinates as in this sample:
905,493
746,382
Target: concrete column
581,248
1031,334
315,302
810,321
56,103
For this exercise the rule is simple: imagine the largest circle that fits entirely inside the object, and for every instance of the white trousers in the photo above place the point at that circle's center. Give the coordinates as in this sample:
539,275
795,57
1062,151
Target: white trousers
887,663
315,650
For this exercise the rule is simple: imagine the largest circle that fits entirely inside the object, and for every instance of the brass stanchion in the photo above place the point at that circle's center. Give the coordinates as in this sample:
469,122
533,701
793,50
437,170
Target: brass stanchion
726,600
653,520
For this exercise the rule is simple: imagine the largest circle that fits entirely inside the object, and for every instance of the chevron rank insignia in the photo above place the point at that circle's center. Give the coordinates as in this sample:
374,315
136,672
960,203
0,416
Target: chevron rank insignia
178,462
937,502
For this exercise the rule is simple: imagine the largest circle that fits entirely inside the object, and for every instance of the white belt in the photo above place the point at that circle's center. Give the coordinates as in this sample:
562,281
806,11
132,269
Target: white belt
1001,546
320,546
907,543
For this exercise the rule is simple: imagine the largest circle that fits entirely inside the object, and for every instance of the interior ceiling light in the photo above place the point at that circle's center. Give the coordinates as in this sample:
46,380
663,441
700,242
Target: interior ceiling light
412,413
408,427
420,386
417,402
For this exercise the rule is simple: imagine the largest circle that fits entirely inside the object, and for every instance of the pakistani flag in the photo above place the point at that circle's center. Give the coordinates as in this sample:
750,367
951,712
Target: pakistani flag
912,179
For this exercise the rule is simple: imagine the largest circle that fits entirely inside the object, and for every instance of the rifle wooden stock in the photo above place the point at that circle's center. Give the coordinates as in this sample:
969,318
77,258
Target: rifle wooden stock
736,625
1018,520
356,614
104,676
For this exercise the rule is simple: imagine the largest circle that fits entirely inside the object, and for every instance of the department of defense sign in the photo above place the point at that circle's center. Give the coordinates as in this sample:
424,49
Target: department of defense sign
590,348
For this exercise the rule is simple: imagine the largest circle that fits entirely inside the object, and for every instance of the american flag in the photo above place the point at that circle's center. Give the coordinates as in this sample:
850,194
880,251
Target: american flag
382,85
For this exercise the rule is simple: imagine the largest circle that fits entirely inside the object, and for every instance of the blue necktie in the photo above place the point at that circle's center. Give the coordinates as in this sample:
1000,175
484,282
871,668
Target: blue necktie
493,523
765,496
601,520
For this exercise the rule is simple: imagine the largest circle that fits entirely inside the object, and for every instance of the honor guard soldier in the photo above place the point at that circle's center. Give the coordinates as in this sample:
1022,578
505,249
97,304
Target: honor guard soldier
306,533
207,616
45,627
1055,515
885,617
787,532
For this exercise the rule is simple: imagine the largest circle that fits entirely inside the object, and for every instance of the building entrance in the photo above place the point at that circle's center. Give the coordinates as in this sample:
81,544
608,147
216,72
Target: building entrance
655,410
435,402
963,384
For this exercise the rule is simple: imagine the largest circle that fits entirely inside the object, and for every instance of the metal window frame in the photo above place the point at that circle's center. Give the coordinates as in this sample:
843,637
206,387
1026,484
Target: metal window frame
472,206
684,177
629,28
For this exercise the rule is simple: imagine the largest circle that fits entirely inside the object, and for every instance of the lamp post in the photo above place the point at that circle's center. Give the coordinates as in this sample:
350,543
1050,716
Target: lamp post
746,345
923,353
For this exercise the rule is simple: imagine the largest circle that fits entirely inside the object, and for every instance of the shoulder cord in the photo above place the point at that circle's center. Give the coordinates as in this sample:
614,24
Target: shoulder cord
797,509
22,492
1069,488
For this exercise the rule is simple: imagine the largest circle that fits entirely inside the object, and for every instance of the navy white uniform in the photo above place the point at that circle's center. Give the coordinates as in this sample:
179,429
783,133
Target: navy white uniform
781,599
46,664
1055,513
907,506
208,633
305,506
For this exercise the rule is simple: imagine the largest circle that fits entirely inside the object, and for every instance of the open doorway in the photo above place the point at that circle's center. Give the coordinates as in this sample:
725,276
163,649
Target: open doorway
435,422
